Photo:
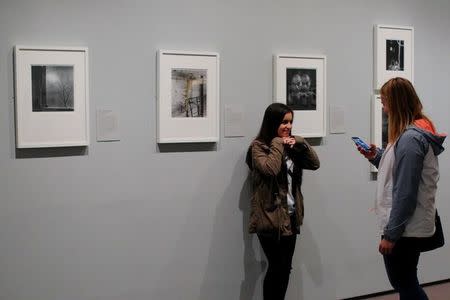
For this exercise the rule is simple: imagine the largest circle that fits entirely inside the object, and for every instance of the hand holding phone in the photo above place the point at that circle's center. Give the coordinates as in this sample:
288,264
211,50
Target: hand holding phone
359,142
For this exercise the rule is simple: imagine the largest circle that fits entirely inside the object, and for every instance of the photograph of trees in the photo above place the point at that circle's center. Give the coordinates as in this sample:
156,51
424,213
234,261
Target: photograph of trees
52,88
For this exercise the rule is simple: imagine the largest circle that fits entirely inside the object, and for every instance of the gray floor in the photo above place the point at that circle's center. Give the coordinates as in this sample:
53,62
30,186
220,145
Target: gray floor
434,292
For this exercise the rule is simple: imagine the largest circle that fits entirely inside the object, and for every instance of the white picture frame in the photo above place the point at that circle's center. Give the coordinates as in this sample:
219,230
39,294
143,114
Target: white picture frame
379,126
187,97
51,96
393,53
300,83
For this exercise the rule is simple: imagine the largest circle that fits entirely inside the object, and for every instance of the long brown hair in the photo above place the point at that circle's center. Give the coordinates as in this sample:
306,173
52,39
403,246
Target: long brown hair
273,116
403,104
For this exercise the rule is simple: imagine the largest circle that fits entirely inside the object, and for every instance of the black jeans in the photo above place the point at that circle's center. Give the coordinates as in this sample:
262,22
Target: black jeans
401,268
279,252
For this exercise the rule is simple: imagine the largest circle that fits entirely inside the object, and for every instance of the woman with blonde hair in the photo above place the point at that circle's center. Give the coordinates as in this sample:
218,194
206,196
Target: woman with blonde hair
408,173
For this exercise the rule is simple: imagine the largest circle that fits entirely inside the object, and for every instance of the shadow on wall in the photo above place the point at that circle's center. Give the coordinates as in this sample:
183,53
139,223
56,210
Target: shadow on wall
253,268
186,147
222,267
306,257
253,262
51,152
205,255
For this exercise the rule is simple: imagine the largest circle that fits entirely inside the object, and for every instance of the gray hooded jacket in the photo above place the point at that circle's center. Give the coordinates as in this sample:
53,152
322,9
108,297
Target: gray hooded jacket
411,185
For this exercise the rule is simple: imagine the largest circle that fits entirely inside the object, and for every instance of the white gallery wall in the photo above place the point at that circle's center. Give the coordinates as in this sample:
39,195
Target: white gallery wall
131,220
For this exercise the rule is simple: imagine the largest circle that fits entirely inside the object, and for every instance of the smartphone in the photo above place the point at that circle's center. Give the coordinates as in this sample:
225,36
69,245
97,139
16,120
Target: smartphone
361,143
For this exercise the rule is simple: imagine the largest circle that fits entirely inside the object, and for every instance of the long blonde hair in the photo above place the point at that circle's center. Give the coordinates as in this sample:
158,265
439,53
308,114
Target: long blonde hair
403,104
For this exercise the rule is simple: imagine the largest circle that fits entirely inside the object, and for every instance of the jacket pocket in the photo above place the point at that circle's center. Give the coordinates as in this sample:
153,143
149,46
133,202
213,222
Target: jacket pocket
271,203
274,221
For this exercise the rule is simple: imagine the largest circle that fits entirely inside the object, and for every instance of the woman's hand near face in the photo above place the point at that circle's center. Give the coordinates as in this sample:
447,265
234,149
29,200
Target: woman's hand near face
290,141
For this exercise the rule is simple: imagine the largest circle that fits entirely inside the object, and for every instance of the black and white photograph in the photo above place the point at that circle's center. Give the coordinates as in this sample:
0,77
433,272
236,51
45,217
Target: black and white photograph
395,55
52,96
301,88
300,83
189,98
52,88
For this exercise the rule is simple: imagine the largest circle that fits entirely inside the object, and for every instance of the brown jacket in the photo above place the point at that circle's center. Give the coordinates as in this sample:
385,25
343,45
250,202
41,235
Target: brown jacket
269,209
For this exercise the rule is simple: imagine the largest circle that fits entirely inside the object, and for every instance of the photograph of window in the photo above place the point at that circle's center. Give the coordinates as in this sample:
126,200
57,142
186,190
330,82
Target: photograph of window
189,99
52,96
52,88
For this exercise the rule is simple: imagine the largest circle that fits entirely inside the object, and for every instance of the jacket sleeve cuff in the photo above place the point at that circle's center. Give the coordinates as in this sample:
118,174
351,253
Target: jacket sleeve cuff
300,144
392,236
376,160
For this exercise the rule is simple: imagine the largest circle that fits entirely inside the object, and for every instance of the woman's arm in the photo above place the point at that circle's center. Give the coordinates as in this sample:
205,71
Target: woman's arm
376,159
267,159
304,155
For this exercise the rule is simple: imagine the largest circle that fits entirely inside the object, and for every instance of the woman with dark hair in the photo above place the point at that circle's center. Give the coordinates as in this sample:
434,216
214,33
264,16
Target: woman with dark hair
408,172
276,159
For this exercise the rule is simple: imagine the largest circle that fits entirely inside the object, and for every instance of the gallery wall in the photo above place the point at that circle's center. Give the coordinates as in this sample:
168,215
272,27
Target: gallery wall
133,220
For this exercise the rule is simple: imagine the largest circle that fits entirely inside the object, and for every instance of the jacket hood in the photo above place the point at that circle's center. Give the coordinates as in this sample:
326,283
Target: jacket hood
435,140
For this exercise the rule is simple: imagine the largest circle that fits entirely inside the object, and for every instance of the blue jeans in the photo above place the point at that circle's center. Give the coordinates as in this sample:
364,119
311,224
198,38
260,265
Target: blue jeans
401,268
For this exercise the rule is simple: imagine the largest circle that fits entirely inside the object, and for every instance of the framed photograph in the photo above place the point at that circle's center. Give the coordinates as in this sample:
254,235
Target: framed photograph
379,126
51,96
393,53
188,97
299,82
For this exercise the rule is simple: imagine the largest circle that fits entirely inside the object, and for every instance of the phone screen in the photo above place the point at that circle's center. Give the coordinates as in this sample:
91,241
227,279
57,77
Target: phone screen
361,143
